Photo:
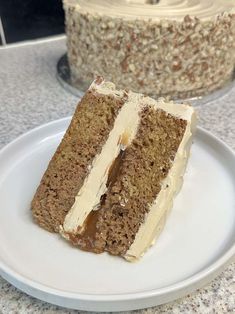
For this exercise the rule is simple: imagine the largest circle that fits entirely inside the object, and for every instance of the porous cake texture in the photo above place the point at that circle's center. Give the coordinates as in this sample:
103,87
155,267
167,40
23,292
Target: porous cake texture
113,178
87,133
175,48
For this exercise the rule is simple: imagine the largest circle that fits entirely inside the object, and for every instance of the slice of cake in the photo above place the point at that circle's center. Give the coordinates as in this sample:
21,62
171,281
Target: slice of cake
113,178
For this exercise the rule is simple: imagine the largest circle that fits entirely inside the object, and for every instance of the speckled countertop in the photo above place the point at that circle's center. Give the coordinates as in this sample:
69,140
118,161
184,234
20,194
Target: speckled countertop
29,96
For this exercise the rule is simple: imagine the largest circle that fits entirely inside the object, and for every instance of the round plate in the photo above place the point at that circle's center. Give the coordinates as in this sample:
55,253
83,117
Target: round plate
197,241
64,77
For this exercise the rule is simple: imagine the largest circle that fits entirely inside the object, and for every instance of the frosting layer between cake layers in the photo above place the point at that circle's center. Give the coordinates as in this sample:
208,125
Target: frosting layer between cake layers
179,48
120,138
94,186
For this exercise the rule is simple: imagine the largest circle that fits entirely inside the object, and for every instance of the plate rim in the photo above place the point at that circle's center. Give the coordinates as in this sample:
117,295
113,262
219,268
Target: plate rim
179,288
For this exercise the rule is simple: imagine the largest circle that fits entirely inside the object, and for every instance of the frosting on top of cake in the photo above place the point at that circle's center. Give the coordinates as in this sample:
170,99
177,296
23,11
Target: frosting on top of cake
163,9
183,111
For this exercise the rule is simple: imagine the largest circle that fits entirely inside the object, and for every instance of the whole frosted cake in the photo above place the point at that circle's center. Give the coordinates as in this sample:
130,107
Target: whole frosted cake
179,48
115,174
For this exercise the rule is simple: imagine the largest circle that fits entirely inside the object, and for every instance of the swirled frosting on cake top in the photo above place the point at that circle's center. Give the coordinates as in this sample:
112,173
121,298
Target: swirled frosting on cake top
155,10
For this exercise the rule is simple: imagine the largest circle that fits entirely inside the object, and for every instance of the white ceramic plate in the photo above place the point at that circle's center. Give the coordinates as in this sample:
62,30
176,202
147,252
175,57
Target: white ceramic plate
197,241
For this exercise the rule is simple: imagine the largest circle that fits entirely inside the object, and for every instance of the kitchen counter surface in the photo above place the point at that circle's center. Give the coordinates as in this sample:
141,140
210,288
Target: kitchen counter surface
30,95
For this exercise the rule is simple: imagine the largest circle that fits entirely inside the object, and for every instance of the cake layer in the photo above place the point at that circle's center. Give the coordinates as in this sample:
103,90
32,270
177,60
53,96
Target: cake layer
89,129
170,186
178,48
141,167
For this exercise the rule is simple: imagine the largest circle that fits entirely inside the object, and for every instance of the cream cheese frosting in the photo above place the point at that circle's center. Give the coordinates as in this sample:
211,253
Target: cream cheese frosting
163,9
126,124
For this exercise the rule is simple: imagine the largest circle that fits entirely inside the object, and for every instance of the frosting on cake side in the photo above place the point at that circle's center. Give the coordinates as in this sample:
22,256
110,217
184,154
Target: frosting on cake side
177,48
158,212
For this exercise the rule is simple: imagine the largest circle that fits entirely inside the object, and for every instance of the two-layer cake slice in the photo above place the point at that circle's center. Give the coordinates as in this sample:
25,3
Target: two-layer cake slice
113,178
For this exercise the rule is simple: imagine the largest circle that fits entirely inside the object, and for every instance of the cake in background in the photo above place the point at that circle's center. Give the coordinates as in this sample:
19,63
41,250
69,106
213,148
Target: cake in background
176,48
113,178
